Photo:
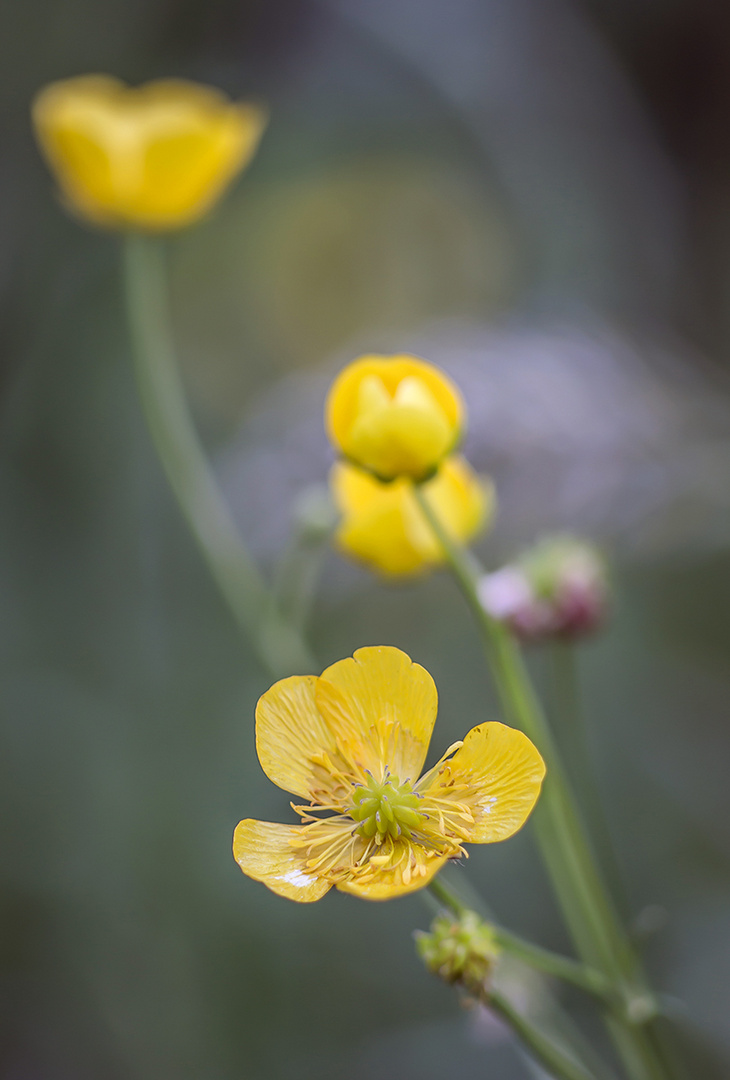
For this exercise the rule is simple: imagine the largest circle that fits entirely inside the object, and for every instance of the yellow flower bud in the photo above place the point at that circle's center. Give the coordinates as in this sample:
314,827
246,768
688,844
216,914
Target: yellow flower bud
153,158
383,526
394,416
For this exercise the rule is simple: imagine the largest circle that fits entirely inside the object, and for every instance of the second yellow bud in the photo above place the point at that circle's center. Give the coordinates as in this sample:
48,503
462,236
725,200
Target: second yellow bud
396,416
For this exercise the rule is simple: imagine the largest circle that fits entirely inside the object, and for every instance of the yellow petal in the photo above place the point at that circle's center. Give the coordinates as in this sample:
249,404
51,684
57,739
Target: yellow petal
394,415
188,166
156,157
390,884
403,441
289,731
463,501
496,774
381,700
382,524
264,852
379,525
71,120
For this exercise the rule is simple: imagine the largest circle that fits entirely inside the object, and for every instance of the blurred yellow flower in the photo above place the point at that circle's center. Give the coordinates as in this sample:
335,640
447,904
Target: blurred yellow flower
152,158
352,741
383,526
394,415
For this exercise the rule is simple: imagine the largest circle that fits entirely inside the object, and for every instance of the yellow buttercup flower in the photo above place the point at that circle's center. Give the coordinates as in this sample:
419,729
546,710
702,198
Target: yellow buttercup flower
152,158
383,526
394,415
352,742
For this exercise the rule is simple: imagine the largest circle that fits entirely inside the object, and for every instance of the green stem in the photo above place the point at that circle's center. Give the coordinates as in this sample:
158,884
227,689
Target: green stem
569,724
556,1041
550,963
447,898
279,647
589,912
296,576
560,967
543,1049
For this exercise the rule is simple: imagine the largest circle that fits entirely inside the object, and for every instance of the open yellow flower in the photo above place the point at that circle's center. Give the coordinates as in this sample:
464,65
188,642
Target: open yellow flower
152,158
394,415
383,526
353,742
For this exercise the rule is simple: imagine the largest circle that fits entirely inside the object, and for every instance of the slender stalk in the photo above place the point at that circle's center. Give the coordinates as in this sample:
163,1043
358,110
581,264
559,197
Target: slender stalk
589,912
550,963
560,967
569,724
563,1057
297,573
447,898
280,648
543,1049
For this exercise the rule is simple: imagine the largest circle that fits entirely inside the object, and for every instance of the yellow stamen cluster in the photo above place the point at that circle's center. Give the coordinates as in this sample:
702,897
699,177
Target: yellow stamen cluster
382,825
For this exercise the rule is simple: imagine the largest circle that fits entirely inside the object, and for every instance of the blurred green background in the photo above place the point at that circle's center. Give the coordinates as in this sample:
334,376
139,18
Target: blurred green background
533,193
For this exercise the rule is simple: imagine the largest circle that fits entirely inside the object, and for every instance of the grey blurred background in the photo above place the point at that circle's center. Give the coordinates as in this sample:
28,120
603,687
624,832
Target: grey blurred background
534,194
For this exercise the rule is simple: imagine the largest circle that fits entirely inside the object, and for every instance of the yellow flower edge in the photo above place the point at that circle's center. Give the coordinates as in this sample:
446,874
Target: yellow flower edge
383,527
151,158
352,743
394,415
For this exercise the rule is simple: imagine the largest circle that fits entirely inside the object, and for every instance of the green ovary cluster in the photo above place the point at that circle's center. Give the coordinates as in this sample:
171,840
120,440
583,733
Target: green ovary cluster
386,808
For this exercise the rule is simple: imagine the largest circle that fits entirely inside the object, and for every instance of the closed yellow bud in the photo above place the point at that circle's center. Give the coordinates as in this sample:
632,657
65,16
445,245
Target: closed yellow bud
153,158
394,416
383,526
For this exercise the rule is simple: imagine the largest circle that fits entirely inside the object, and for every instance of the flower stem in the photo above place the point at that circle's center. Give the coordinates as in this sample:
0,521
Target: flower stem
550,963
564,1055
542,1048
589,912
279,647
561,967
569,724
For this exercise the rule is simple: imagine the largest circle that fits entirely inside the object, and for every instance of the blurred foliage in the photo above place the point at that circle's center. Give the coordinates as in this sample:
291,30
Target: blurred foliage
494,165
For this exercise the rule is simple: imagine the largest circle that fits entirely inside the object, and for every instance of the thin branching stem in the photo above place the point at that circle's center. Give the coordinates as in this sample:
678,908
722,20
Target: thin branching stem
588,909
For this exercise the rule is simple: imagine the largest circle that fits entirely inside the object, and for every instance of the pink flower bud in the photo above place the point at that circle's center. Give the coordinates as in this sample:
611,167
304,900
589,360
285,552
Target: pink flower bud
558,589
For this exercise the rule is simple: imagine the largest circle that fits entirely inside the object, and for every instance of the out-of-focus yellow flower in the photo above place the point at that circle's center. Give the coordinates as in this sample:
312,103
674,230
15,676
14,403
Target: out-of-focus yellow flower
394,415
152,158
383,526
351,742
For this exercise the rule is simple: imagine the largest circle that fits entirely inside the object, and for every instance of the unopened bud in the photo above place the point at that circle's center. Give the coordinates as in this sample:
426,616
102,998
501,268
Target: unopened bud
557,589
314,512
460,951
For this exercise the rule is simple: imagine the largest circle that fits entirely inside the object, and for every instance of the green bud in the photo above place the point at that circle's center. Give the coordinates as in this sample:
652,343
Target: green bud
314,513
460,951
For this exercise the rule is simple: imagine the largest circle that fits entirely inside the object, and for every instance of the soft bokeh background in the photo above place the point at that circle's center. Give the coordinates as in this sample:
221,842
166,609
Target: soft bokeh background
533,193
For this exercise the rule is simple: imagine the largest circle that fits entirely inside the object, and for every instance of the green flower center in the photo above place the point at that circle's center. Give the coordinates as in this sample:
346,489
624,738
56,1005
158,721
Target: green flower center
386,808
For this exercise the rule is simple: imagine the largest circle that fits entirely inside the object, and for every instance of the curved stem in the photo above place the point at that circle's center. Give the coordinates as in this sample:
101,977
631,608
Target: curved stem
543,1049
538,1043
570,727
589,912
447,898
550,963
280,648
560,967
